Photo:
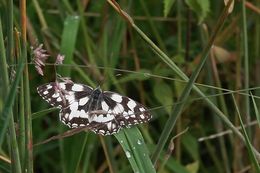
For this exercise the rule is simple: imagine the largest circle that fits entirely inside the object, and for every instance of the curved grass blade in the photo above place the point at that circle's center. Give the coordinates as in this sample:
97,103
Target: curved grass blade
247,141
135,149
256,109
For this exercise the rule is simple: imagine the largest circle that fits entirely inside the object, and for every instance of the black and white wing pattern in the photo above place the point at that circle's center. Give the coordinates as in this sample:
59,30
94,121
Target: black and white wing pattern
103,112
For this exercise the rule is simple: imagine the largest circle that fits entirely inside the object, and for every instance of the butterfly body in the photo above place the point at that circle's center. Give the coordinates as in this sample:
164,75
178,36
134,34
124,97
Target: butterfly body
103,112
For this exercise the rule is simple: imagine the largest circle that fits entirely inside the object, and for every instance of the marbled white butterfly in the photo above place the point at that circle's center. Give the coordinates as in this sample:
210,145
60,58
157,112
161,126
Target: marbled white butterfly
103,112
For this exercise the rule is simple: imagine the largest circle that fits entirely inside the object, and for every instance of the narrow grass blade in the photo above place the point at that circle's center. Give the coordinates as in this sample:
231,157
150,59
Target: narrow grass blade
135,149
248,143
5,165
246,62
108,151
7,114
256,109
76,156
43,113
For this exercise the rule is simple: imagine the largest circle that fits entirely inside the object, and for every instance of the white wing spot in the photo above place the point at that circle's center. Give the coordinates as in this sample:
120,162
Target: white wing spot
77,87
59,99
131,104
109,125
45,92
102,119
62,86
74,125
142,109
82,114
102,131
117,98
118,109
130,112
104,105
142,116
55,95
114,126
48,87
83,101
66,115
76,113
74,106
70,97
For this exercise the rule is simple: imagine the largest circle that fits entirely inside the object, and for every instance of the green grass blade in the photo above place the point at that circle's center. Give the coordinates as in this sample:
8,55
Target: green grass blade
42,113
135,149
256,109
108,151
85,78
68,42
76,156
248,143
7,118
5,166
22,140
153,26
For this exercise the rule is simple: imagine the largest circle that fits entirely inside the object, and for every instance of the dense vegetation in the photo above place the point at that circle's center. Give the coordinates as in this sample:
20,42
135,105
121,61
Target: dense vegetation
194,64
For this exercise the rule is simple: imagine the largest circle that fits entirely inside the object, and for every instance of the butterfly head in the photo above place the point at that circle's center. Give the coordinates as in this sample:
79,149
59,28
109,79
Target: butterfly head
97,91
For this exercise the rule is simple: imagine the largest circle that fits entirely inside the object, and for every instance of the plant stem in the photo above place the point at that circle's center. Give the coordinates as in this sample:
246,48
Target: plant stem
7,112
246,66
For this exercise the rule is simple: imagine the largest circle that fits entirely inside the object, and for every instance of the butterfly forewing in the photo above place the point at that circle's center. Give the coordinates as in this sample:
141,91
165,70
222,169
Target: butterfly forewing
63,94
104,113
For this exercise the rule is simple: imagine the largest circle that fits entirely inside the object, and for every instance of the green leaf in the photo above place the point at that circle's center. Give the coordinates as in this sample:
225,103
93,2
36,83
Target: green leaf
193,167
200,7
191,145
163,93
175,166
167,6
135,150
68,41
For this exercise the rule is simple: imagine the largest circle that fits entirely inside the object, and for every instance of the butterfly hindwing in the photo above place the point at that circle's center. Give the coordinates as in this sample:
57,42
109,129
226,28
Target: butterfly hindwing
128,111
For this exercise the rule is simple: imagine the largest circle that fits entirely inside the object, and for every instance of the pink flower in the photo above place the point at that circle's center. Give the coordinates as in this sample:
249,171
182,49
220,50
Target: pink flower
40,56
59,59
